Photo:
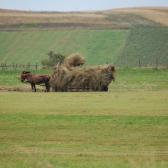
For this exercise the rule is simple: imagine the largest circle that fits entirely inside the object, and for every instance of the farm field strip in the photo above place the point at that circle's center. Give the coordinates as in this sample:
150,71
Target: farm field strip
98,46
136,47
119,18
141,103
125,127
84,129
126,79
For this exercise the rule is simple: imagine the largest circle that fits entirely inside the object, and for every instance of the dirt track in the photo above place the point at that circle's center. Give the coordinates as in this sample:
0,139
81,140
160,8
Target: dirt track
18,89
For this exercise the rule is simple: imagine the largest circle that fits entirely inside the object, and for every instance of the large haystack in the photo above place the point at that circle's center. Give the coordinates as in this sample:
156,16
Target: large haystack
69,77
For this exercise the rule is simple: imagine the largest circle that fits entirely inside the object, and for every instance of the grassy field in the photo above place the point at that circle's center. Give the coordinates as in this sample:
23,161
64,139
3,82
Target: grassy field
110,130
126,127
143,46
123,128
126,79
98,46
147,45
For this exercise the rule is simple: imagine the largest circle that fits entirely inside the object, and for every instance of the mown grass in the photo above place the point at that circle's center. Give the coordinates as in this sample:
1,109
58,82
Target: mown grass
123,128
120,129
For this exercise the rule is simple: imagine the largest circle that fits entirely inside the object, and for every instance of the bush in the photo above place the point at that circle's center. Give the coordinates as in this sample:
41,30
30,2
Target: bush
54,58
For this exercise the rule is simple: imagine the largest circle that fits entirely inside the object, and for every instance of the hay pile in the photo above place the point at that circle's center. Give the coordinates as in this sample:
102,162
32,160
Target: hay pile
74,60
70,77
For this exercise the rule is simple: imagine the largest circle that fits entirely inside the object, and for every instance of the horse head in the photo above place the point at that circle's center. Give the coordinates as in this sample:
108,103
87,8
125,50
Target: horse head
24,75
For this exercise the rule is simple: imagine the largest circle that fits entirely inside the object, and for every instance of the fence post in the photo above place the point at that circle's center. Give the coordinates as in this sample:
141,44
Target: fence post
156,63
5,66
36,66
14,67
28,66
139,63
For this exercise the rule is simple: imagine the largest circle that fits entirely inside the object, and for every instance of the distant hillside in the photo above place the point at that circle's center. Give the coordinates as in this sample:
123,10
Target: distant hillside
145,47
120,18
125,37
140,16
44,20
98,46
141,46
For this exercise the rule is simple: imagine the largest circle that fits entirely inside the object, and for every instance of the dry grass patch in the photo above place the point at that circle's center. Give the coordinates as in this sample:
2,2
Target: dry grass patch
158,15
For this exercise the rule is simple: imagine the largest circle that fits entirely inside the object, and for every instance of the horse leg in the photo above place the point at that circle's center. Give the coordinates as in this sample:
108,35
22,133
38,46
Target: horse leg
105,88
33,87
47,87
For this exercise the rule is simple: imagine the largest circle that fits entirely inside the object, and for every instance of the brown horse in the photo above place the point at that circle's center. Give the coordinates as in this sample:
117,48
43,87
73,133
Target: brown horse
33,79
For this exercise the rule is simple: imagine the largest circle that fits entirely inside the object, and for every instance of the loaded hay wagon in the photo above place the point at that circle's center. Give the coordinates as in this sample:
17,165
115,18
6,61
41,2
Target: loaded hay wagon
70,76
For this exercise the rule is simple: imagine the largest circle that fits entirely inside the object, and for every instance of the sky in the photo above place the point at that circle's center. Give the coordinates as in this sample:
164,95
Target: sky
77,5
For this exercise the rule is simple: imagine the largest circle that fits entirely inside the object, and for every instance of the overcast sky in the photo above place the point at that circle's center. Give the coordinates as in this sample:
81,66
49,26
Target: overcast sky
77,5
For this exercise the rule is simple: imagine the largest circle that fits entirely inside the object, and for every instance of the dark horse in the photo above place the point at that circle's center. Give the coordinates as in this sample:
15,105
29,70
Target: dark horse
33,79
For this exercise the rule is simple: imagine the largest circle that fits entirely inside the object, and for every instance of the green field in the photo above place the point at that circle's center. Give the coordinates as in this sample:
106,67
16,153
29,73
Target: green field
143,46
126,127
87,130
123,128
98,46
126,79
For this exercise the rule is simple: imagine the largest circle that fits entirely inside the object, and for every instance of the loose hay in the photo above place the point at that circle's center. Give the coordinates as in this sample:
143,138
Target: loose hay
74,60
69,77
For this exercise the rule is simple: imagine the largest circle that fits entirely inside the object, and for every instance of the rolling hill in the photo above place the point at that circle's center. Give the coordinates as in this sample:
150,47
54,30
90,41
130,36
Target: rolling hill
124,37
141,16
119,18
98,46
146,47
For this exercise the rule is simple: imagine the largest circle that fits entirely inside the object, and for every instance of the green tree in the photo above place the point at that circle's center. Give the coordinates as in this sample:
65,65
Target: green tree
53,59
